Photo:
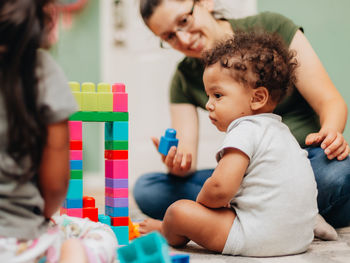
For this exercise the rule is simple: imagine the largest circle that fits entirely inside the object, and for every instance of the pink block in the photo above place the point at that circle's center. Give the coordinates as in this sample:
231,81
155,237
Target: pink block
117,192
75,130
118,87
120,102
76,155
116,169
75,212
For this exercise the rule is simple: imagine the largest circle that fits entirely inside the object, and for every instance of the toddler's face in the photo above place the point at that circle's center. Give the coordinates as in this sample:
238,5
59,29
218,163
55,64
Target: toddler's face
228,99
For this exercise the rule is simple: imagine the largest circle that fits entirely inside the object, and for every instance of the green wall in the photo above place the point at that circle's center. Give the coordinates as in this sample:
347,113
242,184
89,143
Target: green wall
78,53
327,26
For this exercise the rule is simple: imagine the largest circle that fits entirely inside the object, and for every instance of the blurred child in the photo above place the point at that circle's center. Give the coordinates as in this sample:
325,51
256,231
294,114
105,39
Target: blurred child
35,103
261,198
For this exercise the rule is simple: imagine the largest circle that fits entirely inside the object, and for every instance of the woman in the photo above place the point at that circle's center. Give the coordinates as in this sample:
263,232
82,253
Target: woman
314,110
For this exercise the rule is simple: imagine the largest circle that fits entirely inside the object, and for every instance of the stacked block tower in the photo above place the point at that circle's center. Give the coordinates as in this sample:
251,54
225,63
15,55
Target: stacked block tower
109,105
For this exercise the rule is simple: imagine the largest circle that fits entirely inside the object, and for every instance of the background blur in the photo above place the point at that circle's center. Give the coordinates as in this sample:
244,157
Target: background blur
107,41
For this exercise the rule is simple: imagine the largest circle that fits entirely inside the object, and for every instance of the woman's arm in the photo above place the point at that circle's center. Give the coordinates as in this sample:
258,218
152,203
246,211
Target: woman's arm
219,189
317,88
54,169
182,160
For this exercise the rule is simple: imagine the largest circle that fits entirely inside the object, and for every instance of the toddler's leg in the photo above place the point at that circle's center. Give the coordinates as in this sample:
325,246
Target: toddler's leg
188,220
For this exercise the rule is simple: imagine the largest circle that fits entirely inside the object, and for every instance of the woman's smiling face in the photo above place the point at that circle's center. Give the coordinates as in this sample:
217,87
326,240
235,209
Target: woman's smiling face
189,33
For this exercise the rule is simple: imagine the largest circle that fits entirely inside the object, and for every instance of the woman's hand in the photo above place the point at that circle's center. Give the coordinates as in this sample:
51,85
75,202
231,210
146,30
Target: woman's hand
177,163
332,141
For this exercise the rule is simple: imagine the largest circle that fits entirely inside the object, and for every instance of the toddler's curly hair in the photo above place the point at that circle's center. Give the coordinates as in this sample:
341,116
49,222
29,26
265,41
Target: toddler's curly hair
256,59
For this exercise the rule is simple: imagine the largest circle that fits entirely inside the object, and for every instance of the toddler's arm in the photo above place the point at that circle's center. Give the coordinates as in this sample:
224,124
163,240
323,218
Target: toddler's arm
219,189
54,168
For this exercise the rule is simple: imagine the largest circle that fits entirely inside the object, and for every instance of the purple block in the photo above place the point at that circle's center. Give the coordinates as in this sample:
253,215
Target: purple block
116,183
117,202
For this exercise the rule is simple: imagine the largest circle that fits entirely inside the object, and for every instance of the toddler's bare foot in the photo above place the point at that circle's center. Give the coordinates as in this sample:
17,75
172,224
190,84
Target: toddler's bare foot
149,225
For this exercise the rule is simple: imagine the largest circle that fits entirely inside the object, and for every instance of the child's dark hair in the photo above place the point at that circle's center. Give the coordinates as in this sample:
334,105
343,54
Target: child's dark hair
256,59
23,28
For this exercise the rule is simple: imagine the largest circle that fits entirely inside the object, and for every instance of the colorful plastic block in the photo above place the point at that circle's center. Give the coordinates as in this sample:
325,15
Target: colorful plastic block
116,192
104,97
116,131
76,164
116,183
76,155
75,88
116,145
149,248
120,98
89,97
75,189
75,145
75,212
116,154
167,141
104,219
116,202
116,169
120,221
75,130
180,258
73,203
122,233
91,213
116,211
95,116
76,174
133,230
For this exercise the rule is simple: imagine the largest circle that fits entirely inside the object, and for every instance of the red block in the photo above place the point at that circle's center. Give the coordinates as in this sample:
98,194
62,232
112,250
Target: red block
91,213
116,154
88,201
120,221
75,145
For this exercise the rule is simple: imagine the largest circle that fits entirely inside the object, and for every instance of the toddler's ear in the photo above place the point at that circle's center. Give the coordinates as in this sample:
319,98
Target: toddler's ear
260,97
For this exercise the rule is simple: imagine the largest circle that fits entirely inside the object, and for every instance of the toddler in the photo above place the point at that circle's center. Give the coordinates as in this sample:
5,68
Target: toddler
35,103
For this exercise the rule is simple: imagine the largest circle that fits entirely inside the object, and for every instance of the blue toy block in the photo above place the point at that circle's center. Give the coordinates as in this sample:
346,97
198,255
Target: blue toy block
75,189
76,164
167,141
104,219
73,203
149,248
122,234
180,258
117,131
116,211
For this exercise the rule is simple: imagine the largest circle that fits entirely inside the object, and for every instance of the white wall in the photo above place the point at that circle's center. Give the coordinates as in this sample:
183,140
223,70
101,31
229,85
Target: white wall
146,70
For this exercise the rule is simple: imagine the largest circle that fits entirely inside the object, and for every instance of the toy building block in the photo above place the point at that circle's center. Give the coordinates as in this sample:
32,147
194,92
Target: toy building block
89,97
75,189
75,88
75,130
116,183
89,209
75,212
75,145
117,211
76,155
116,154
99,116
116,169
120,221
120,98
76,164
73,203
104,219
180,258
149,248
167,141
117,202
76,174
133,230
104,97
116,192
122,234
116,131
116,145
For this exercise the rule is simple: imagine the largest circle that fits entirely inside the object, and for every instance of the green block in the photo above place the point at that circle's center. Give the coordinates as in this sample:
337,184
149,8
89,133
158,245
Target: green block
116,145
105,101
96,116
76,174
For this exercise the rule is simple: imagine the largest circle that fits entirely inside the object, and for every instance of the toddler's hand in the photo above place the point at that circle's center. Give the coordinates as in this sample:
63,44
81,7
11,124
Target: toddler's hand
331,141
177,163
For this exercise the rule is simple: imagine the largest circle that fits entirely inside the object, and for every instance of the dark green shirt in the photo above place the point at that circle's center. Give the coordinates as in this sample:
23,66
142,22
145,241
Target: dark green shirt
187,83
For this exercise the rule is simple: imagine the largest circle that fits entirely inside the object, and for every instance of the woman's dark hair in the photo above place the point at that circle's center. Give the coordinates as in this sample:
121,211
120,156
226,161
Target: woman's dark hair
256,59
147,8
23,29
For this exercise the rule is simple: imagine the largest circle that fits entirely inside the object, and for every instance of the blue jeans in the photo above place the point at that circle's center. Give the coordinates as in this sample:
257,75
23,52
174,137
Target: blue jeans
155,192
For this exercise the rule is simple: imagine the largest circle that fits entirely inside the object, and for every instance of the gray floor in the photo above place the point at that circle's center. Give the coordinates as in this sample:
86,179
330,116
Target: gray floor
319,251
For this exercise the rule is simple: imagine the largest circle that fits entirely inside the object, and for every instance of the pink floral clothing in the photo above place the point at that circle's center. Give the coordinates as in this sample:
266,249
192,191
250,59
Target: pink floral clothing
98,239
